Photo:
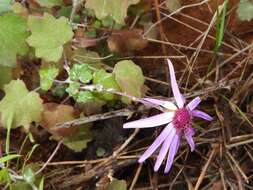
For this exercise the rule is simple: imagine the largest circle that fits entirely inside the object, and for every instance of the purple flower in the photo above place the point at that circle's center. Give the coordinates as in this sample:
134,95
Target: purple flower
179,122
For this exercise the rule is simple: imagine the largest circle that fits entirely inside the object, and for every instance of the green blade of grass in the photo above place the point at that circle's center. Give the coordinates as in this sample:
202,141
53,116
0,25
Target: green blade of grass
8,157
220,26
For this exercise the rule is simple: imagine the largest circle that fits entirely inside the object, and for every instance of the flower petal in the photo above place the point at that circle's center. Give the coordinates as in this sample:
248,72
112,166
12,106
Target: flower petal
158,141
190,141
164,150
173,150
194,103
174,86
153,121
201,114
166,104
154,101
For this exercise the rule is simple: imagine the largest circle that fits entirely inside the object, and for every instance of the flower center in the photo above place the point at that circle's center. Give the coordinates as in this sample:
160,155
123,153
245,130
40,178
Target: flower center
182,119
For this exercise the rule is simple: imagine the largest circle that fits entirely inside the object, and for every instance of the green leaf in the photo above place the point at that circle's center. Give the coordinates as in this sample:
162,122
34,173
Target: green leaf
20,105
59,90
13,33
79,140
91,58
41,185
84,96
245,10
117,185
5,5
29,175
80,72
100,152
107,80
5,76
48,36
130,78
220,26
116,9
4,176
49,3
21,185
19,8
8,157
47,76
173,5
73,89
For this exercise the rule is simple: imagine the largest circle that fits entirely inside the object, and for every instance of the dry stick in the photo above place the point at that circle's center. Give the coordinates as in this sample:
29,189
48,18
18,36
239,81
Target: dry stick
84,162
206,24
222,179
178,10
50,158
189,184
175,179
222,64
76,179
199,47
199,31
239,180
158,16
203,172
136,177
237,166
185,47
92,118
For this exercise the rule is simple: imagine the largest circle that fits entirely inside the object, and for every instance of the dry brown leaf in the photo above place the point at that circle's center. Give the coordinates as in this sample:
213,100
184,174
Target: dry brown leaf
56,113
126,40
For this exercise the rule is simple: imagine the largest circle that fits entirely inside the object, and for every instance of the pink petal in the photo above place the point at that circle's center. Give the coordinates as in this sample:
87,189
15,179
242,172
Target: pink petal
164,150
173,150
194,103
174,86
166,104
201,114
154,101
153,121
158,141
189,133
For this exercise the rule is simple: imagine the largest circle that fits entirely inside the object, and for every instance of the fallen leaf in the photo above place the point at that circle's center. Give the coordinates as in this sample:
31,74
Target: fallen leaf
57,113
126,40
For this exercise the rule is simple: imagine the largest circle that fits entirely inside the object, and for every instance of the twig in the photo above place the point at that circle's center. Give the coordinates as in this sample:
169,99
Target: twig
203,172
136,177
103,116
158,16
50,158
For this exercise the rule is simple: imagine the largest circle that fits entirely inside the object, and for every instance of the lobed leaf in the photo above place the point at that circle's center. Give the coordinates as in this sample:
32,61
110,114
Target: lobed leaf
13,33
48,36
116,9
47,76
130,78
245,10
19,105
